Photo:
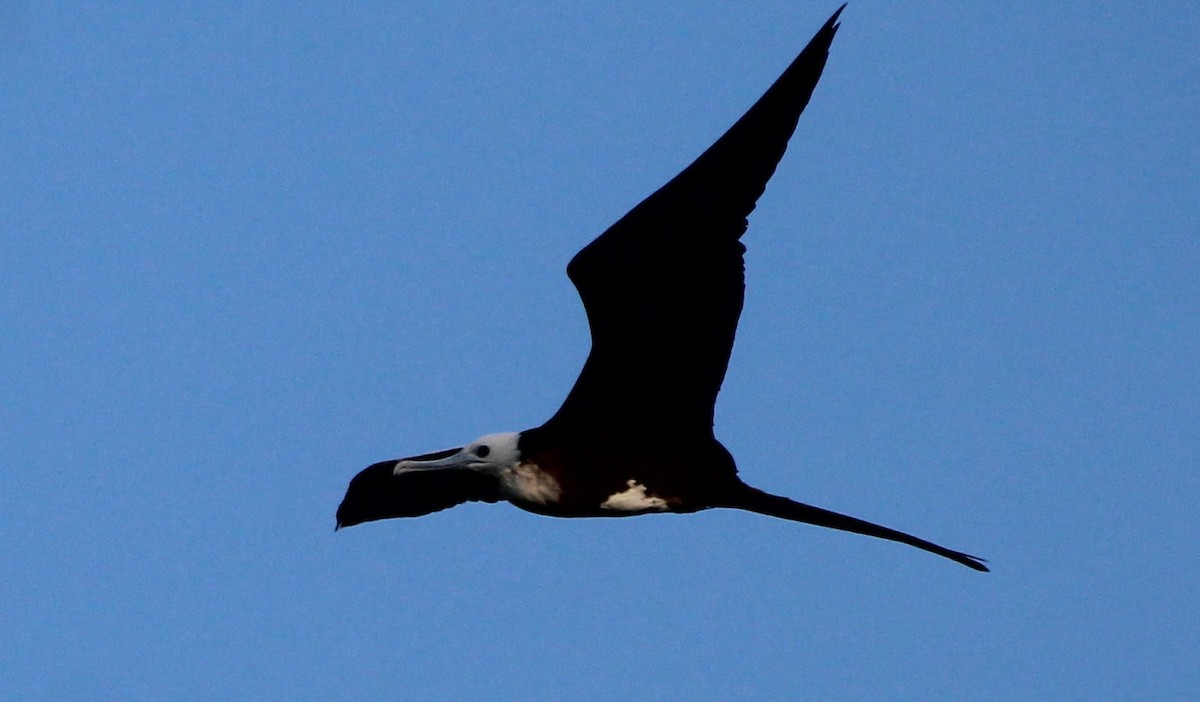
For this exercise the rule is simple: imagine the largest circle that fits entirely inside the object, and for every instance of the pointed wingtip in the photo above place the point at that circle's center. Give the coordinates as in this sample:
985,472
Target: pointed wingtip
831,24
824,36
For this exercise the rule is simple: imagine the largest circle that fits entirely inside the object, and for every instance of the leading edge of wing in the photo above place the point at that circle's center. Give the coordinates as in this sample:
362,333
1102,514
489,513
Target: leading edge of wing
663,286
733,171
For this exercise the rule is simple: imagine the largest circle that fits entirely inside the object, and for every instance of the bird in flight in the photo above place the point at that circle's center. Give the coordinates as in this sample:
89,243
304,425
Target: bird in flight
663,290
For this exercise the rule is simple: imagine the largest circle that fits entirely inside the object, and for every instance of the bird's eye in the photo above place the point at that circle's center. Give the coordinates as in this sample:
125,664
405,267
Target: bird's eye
482,451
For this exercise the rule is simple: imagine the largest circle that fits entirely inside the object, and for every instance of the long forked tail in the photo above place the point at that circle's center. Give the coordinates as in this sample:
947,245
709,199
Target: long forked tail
755,500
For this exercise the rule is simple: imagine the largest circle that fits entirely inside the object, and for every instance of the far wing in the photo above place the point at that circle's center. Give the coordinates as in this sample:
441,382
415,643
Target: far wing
376,493
416,494
663,287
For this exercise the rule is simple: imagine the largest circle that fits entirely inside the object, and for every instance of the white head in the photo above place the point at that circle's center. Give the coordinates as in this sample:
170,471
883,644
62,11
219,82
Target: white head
487,454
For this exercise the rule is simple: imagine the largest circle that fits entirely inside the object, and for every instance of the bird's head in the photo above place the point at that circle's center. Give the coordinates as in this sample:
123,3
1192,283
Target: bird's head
487,454
418,485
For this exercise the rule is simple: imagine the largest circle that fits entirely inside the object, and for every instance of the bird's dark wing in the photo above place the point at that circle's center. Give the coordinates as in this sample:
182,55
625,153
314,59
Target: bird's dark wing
663,287
375,493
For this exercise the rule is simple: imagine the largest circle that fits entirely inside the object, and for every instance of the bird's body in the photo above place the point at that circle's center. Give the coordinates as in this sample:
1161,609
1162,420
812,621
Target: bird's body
663,290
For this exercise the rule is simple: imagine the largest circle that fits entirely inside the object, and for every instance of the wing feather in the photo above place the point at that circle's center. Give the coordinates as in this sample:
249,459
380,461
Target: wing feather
663,287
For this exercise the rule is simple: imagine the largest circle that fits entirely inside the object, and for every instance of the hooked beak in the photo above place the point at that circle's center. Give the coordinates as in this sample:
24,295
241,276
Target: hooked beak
440,460
380,492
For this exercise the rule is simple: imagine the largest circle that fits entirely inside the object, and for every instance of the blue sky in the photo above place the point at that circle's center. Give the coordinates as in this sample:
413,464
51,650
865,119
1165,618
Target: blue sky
250,248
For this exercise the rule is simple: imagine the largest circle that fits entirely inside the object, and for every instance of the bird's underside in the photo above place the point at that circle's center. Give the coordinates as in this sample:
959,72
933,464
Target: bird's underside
607,480
663,289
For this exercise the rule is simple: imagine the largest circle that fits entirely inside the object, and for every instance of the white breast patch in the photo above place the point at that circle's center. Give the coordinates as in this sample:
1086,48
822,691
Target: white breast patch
634,499
527,482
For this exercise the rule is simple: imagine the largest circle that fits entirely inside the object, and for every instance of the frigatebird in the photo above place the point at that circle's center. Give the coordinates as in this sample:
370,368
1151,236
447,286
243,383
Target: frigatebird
663,290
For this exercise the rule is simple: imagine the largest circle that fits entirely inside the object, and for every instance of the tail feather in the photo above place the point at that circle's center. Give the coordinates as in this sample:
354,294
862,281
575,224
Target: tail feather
755,500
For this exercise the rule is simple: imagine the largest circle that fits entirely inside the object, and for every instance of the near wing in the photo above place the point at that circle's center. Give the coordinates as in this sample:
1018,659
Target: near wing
663,287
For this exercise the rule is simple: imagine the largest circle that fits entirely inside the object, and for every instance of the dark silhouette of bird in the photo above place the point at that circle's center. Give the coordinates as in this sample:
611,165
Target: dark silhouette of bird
663,290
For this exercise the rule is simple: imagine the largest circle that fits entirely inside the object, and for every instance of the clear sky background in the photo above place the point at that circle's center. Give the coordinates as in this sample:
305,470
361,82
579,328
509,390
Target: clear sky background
249,248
